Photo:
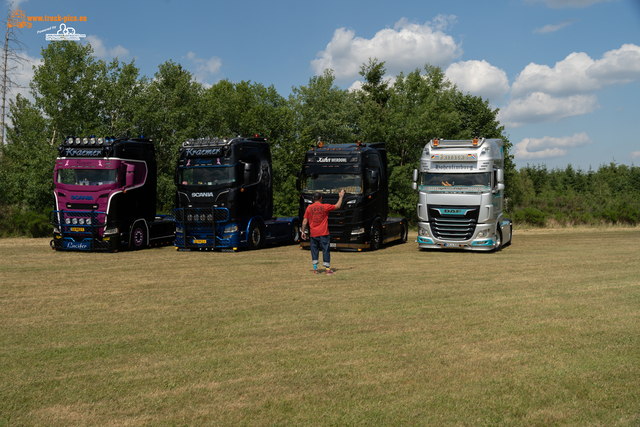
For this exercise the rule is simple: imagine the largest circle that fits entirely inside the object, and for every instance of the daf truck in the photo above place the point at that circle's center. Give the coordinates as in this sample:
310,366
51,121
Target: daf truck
225,196
105,196
360,169
460,185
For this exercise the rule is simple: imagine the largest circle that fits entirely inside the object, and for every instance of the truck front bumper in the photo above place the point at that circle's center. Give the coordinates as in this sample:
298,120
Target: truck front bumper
484,239
84,243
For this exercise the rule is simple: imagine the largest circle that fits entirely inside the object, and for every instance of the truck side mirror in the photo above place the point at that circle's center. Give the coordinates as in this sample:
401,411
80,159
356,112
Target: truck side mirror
248,171
129,175
415,175
500,186
500,175
414,186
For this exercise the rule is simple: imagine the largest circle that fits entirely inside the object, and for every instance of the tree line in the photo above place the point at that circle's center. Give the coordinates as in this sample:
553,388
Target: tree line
75,94
569,196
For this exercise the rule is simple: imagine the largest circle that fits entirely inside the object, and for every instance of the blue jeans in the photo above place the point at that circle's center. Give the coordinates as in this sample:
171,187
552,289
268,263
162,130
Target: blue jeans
318,243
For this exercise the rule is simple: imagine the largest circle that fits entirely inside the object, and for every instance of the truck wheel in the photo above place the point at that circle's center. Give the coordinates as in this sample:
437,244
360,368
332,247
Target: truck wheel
256,236
138,236
404,233
295,232
499,240
376,236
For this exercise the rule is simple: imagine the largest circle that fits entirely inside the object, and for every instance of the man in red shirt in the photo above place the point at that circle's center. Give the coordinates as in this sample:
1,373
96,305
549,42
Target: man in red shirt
316,216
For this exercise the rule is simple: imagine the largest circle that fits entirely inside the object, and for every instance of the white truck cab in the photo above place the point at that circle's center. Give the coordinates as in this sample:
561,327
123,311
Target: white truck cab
460,185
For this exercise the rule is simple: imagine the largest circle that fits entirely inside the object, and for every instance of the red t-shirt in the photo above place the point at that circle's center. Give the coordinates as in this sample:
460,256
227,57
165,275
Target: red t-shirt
317,214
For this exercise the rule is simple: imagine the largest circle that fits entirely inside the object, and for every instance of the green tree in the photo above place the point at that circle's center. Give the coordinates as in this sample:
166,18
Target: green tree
372,100
323,110
170,112
28,159
421,107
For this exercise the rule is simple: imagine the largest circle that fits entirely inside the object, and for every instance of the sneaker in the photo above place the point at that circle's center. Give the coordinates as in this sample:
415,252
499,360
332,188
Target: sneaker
315,271
329,271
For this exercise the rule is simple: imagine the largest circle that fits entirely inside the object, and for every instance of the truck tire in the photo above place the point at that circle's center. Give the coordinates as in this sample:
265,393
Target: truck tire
376,236
295,231
499,242
404,234
138,239
255,239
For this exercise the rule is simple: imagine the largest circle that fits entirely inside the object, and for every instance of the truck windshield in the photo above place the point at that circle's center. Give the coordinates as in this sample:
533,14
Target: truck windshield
87,176
471,182
332,183
217,176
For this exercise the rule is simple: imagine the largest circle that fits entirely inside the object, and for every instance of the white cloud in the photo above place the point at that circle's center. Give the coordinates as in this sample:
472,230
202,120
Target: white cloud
205,67
542,93
479,78
619,66
635,155
578,73
569,76
553,28
557,4
100,50
547,147
405,47
540,107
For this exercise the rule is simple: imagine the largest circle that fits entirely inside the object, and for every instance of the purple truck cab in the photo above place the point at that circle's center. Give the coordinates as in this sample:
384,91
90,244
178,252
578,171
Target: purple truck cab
105,197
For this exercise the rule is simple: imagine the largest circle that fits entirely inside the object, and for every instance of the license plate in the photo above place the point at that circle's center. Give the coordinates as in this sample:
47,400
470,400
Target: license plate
199,241
332,245
77,228
452,245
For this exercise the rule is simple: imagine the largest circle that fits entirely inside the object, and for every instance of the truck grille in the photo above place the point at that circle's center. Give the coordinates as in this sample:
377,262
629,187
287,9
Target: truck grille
200,225
453,222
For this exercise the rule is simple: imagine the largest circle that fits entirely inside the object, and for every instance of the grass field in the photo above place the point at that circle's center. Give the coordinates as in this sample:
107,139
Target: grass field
545,332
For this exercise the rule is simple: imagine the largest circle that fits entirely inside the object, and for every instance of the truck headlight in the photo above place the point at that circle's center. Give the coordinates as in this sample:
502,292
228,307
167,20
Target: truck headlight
88,221
67,221
422,231
74,221
483,233
230,229
351,203
359,230
81,221
111,230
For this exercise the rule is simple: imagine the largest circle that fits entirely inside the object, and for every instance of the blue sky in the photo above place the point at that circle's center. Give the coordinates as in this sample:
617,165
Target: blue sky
564,73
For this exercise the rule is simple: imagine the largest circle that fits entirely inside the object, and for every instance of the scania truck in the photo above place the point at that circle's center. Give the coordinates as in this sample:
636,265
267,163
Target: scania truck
460,186
361,170
105,196
225,196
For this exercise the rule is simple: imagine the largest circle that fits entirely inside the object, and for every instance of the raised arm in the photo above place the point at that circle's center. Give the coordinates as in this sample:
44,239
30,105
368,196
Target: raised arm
339,204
